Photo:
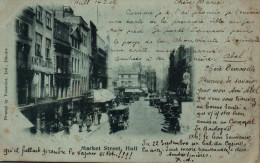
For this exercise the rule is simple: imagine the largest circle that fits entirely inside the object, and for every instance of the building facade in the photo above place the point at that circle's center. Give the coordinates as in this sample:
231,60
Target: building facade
80,49
180,75
35,63
128,79
62,50
24,25
55,63
151,80
101,61
98,70
135,76
34,55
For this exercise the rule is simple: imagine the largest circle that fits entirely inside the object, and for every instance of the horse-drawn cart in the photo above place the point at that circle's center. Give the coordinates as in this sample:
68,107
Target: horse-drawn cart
118,118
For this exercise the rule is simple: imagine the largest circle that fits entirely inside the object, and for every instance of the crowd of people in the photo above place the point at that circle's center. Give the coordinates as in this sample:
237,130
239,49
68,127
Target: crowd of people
82,119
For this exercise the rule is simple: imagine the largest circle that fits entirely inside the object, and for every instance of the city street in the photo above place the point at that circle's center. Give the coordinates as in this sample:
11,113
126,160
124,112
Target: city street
143,120
67,92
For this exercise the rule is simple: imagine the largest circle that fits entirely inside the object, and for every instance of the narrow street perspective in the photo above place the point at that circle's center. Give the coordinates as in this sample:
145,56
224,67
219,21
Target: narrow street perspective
67,84
143,120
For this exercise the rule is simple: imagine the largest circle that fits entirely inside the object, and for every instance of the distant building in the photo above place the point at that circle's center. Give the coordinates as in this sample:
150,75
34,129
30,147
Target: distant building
128,79
151,80
135,77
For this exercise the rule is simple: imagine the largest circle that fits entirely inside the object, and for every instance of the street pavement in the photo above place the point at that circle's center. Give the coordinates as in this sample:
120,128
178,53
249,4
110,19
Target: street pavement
143,120
74,129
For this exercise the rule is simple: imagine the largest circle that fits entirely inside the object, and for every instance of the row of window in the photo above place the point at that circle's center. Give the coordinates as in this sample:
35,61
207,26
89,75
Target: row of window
22,28
75,65
42,85
76,88
85,83
126,83
39,13
84,61
62,64
38,46
79,86
75,43
62,92
84,39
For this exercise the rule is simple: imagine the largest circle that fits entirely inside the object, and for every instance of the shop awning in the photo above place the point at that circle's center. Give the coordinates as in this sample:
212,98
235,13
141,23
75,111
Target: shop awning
21,121
133,90
77,99
145,89
121,107
101,95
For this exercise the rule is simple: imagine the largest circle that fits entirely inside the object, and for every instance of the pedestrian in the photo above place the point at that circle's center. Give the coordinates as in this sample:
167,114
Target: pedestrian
107,107
117,101
186,81
93,116
88,122
74,120
66,127
99,117
80,121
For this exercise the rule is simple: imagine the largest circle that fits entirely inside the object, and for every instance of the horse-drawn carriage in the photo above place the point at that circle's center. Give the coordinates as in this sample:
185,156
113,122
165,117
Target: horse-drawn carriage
118,118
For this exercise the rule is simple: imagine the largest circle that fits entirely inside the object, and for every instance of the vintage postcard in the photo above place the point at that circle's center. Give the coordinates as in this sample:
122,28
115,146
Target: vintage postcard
130,80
